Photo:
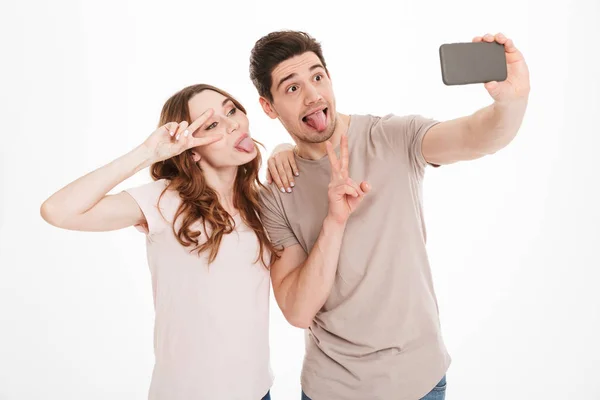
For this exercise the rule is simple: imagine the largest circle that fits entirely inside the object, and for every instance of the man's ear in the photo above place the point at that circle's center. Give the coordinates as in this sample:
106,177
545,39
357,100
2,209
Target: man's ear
267,108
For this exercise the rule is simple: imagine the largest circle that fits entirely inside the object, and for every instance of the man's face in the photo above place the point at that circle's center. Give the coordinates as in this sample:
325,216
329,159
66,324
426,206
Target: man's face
303,98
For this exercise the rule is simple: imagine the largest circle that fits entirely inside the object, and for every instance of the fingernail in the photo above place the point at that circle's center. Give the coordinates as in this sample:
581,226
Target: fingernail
292,184
177,137
282,190
297,174
171,133
289,190
186,132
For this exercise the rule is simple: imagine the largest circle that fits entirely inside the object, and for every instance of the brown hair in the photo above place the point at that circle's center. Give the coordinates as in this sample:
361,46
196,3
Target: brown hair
273,49
200,202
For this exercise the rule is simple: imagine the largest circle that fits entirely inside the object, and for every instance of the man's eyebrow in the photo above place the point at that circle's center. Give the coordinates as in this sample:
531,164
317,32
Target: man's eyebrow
316,66
290,76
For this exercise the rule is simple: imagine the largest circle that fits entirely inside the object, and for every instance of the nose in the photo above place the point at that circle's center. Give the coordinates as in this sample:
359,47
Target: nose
312,95
232,126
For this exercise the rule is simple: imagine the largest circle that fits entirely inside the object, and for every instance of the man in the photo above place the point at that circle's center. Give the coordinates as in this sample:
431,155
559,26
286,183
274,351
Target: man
357,276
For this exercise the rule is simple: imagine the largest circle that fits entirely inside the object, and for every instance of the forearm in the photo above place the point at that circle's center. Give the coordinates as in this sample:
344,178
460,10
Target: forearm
492,128
308,287
82,194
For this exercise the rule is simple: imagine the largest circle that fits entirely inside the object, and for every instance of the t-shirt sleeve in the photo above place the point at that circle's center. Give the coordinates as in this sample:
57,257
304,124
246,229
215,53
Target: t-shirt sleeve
274,220
147,198
405,136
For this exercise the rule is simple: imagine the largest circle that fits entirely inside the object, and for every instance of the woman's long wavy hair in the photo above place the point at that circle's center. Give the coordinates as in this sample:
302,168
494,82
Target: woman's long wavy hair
200,202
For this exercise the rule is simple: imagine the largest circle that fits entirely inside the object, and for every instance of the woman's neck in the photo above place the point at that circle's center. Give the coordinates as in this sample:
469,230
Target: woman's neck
222,181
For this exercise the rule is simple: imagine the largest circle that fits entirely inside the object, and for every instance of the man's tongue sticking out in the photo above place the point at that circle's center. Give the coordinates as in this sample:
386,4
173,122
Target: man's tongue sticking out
317,121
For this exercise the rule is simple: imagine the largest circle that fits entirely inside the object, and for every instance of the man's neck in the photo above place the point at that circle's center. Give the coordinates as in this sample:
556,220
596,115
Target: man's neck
316,151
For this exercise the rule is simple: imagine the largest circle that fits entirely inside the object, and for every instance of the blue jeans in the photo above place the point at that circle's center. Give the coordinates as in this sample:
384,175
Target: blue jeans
267,396
437,393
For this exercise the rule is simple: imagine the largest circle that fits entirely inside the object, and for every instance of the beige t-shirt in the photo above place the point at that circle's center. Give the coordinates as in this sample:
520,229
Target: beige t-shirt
211,338
378,335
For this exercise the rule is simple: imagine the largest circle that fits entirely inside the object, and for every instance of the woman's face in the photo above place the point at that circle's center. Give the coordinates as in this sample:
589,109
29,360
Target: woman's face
236,147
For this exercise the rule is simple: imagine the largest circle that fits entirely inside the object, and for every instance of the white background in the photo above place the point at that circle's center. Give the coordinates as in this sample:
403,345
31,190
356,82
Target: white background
513,238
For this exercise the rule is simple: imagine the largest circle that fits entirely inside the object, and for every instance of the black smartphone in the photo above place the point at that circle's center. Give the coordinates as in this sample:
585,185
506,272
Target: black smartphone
473,62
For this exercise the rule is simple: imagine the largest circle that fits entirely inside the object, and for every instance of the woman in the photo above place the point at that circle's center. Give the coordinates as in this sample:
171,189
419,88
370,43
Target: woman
207,250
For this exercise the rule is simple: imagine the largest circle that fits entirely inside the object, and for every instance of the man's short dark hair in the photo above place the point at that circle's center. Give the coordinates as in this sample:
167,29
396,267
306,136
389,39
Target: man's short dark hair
273,49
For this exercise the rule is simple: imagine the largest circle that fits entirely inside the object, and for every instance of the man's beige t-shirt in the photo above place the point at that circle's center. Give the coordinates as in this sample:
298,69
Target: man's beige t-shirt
211,335
378,335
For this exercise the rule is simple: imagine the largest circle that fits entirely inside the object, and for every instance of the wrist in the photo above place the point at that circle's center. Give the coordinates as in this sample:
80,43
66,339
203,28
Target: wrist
332,223
142,157
511,104
283,147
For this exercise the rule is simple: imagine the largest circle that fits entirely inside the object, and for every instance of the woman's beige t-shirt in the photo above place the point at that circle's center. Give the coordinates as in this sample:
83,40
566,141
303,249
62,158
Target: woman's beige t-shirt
211,337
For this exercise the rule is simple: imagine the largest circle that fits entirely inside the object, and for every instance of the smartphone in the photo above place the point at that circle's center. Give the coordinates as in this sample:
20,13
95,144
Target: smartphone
473,62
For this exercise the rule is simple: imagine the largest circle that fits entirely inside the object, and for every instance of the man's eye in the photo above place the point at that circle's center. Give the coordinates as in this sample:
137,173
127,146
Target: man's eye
292,89
318,77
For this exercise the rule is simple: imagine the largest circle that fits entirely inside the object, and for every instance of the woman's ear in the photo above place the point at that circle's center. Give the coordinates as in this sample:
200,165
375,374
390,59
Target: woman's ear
196,157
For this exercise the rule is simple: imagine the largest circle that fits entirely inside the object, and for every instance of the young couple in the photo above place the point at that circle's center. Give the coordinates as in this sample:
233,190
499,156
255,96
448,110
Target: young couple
344,250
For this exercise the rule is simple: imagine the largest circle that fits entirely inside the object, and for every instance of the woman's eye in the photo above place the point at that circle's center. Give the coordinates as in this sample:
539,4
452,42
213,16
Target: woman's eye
211,126
233,111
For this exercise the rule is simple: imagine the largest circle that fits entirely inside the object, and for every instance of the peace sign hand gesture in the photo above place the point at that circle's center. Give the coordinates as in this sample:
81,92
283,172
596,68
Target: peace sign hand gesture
174,138
344,194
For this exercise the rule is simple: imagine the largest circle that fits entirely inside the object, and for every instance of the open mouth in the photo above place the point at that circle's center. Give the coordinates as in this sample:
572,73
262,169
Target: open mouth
317,120
245,144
